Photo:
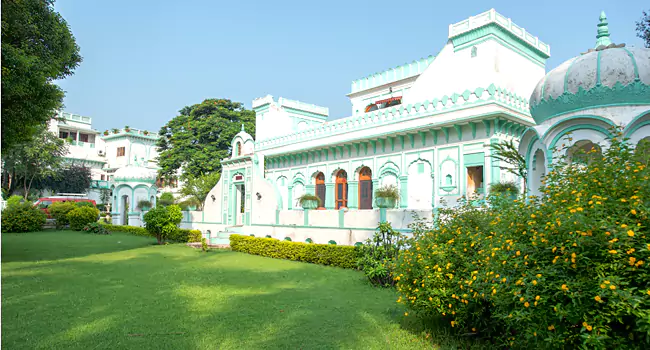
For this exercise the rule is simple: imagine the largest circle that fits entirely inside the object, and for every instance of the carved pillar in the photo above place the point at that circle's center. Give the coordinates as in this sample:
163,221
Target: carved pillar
403,192
329,196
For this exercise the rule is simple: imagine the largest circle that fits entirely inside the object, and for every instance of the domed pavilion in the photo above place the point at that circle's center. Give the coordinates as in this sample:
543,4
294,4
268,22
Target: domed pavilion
576,105
132,184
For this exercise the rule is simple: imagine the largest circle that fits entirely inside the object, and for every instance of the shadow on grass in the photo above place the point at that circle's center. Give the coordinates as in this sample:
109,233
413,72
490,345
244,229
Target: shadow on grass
55,244
174,297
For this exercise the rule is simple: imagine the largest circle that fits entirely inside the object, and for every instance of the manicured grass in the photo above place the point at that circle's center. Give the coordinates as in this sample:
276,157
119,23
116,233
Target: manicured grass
64,289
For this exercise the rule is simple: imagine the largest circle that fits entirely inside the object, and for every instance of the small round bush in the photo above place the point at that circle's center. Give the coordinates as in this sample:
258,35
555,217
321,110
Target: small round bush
96,228
59,212
22,217
85,204
81,217
194,236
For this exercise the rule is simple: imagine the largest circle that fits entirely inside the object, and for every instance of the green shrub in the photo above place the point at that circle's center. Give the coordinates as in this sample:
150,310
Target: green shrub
144,204
204,245
322,254
504,187
22,217
138,231
379,253
82,216
163,222
194,236
59,212
85,204
166,199
568,269
96,228
14,200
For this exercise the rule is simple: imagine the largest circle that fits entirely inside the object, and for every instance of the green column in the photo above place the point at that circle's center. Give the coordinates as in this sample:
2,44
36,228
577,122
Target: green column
403,192
290,199
353,194
433,191
329,196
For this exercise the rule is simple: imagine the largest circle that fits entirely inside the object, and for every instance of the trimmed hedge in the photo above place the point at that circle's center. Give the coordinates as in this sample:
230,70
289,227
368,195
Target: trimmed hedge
22,217
322,254
182,235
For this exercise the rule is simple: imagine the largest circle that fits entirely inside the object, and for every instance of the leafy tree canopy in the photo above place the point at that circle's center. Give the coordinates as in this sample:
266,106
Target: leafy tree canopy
200,136
37,49
198,188
32,161
72,178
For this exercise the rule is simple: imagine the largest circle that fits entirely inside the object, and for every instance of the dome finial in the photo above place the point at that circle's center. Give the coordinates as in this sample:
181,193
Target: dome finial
242,126
602,38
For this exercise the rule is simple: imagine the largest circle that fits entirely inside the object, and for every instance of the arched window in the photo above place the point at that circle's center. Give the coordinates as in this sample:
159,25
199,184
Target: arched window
320,188
238,149
365,188
341,193
582,152
371,107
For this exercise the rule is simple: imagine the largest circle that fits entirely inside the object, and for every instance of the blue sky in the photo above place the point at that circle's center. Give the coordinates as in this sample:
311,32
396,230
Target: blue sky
145,60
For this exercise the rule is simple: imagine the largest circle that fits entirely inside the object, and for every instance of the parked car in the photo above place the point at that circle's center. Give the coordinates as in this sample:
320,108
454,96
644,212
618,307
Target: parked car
45,202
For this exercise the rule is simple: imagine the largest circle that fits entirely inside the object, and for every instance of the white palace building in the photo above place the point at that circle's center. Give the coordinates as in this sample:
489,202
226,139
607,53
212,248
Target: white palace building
426,127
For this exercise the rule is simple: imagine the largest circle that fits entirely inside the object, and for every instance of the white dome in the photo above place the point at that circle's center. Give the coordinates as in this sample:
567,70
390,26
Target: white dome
132,173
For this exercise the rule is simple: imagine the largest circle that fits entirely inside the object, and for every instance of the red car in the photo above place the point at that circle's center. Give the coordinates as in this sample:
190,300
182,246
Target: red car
45,202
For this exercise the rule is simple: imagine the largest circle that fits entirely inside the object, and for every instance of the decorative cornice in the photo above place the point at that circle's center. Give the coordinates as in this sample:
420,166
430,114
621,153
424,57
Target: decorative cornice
598,96
466,99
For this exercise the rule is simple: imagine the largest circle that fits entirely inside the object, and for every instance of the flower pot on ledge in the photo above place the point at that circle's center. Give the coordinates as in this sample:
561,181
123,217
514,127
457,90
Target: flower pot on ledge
309,204
385,202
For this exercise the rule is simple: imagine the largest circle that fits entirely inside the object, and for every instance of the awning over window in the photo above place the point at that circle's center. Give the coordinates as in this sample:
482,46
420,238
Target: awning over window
388,100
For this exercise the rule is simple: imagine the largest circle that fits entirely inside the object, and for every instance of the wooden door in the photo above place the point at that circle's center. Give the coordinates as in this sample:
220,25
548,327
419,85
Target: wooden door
320,189
341,194
365,188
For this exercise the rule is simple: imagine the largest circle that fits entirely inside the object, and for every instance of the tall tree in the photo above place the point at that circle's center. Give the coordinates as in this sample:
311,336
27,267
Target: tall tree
200,136
70,178
33,161
643,28
198,188
37,49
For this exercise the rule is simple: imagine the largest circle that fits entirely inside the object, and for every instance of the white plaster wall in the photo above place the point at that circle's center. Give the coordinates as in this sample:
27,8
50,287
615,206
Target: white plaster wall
362,218
639,135
320,236
323,218
213,209
420,185
291,217
401,218
454,72
140,194
263,210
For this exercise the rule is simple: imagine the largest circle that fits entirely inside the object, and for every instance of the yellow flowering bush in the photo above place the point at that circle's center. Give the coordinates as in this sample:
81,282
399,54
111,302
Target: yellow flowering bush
563,270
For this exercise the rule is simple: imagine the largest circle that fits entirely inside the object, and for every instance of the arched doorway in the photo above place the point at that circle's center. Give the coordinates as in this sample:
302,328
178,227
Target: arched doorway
582,152
537,172
365,188
125,210
341,192
320,189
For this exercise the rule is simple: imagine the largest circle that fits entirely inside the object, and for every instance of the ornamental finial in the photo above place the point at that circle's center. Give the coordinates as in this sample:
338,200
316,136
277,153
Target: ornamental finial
242,126
602,38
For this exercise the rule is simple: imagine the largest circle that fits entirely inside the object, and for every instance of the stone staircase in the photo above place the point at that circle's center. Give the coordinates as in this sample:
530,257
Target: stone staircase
223,237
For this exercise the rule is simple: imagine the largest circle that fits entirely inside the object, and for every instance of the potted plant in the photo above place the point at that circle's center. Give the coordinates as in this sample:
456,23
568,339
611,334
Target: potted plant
309,201
115,131
106,133
145,133
144,205
508,189
127,128
386,196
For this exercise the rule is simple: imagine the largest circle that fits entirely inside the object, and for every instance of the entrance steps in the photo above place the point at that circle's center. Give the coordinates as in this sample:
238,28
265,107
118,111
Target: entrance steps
223,237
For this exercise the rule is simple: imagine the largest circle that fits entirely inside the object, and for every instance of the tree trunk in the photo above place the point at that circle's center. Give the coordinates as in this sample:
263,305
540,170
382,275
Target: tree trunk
159,238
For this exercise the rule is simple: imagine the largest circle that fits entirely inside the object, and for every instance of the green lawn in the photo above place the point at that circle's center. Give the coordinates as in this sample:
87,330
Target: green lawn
63,289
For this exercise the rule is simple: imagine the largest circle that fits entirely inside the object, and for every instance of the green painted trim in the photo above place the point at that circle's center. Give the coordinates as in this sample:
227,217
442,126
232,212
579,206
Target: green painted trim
497,32
636,68
566,76
474,159
597,68
600,95
557,137
495,174
586,116
434,133
459,131
635,128
304,113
